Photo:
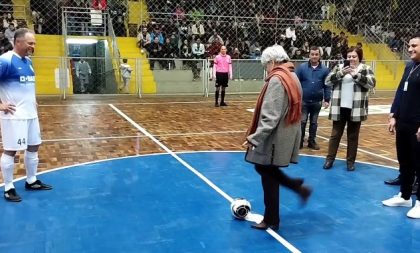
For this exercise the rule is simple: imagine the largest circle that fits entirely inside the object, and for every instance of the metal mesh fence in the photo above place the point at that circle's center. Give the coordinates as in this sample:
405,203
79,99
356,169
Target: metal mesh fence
245,27
239,23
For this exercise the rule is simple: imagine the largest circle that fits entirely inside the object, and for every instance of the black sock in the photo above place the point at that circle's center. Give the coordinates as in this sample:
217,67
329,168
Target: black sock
222,100
216,96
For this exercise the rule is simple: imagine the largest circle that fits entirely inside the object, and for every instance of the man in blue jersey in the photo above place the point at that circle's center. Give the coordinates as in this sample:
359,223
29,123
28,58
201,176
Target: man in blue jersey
19,116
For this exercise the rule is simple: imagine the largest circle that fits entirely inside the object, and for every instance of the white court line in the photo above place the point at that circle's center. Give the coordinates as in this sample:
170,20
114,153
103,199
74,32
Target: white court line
362,150
271,232
145,103
182,152
367,125
289,246
168,135
136,136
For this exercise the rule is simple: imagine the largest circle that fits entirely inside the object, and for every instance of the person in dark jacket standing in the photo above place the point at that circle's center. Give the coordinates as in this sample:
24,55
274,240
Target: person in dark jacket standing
274,135
406,123
312,78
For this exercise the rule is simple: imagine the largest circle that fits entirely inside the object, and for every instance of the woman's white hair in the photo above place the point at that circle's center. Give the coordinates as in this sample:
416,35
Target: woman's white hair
274,53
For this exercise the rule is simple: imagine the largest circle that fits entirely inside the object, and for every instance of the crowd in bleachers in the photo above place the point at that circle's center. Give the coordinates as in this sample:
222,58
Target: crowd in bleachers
177,29
8,25
391,21
246,27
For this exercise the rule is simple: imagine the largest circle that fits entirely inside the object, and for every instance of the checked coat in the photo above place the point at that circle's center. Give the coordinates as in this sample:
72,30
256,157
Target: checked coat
362,84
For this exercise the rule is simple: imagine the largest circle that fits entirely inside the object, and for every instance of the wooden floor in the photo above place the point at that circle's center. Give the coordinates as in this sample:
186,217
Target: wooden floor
87,128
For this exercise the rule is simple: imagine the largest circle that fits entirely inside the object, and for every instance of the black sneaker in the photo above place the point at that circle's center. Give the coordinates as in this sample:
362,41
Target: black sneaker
223,104
37,186
12,196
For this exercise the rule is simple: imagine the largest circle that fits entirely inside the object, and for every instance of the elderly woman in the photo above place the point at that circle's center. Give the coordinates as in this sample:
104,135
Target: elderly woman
350,83
274,135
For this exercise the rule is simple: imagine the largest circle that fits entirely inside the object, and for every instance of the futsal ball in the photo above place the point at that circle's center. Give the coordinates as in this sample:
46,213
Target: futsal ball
240,208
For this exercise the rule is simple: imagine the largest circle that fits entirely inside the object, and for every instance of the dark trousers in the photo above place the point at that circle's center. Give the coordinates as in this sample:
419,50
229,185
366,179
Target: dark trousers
271,178
408,153
311,111
353,130
162,63
196,66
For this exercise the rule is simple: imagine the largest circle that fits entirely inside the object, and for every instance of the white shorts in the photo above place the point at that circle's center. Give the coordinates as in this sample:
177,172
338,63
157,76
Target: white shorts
18,134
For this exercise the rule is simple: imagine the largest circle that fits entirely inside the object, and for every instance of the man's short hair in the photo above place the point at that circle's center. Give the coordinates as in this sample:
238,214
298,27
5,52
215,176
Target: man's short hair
315,48
20,33
416,35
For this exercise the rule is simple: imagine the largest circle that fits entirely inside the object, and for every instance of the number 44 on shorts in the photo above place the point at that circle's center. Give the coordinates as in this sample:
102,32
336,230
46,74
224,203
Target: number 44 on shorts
21,141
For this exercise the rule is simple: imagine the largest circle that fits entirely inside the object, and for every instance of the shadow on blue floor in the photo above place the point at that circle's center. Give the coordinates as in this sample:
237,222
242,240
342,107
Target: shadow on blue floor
154,204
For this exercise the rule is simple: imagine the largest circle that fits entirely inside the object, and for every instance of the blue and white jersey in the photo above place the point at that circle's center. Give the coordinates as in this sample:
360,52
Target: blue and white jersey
17,86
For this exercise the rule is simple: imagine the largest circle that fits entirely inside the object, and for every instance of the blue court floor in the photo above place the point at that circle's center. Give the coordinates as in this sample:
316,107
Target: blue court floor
155,204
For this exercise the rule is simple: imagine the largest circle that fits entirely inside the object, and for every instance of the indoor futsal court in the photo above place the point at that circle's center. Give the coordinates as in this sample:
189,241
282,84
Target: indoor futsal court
159,175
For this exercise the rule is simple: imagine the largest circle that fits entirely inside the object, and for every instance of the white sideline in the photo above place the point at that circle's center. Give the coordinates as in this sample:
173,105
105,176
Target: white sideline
284,242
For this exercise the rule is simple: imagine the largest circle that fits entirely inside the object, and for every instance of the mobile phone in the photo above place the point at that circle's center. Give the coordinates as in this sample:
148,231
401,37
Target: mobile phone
346,63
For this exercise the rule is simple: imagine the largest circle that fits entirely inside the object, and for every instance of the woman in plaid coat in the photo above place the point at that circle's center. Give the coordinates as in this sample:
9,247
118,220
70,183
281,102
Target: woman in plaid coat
349,104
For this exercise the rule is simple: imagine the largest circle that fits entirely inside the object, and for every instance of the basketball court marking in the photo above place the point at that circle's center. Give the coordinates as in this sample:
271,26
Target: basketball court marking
363,125
166,103
284,242
171,135
362,150
373,109
178,153
192,162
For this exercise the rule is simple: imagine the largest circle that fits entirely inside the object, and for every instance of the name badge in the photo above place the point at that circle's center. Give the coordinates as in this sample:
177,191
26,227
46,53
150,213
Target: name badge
405,85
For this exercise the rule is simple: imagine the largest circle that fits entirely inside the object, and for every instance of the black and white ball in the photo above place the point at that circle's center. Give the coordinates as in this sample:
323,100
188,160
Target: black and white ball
240,208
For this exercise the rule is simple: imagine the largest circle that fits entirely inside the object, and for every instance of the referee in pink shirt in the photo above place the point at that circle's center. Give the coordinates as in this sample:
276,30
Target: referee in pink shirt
222,72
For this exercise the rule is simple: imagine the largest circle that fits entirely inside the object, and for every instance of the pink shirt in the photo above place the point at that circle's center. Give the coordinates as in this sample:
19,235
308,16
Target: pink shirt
222,64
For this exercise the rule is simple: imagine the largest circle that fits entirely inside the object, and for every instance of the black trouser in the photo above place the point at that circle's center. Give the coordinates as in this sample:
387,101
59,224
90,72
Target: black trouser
353,130
271,178
408,153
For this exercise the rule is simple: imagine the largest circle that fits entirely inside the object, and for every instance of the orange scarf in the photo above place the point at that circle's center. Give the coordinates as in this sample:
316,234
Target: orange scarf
284,73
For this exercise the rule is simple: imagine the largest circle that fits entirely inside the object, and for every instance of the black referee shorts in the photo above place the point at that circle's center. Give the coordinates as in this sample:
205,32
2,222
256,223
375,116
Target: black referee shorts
222,79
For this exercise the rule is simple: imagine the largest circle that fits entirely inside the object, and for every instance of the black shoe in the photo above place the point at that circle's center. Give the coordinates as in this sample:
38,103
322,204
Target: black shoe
299,181
350,167
12,196
264,226
305,192
313,145
328,164
415,188
395,181
223,104
37,186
